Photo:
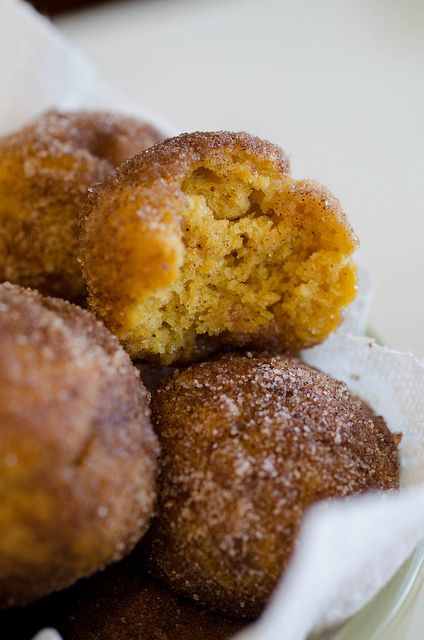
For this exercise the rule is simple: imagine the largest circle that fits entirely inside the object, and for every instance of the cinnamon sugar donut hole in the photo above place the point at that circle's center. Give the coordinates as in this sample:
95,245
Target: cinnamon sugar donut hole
204,242
119,603
77,450
46,169
248,444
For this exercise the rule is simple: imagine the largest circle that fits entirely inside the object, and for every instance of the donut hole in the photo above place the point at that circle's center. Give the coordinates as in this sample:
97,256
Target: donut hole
255,253
248,444
46,170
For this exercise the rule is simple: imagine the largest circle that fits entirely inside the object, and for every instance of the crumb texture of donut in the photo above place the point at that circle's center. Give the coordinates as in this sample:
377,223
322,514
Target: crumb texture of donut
248,444
78,455
46,169
206,237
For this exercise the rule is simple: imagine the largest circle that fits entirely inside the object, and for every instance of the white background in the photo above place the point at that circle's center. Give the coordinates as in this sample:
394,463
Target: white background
338,84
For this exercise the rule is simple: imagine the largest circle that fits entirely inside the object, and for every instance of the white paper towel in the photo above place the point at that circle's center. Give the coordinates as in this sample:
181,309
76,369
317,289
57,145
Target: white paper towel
348,549
38,69
41,70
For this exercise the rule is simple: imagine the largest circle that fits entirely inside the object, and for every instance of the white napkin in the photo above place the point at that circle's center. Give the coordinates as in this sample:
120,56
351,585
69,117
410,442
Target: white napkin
348,549
40,70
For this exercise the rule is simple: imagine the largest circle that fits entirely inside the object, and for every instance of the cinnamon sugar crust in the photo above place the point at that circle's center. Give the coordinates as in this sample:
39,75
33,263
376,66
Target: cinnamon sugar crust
46,169
119,603
77,450
248,444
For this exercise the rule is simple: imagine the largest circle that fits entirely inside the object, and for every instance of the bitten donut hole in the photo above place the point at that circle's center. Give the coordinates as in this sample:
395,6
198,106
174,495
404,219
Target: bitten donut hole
255,253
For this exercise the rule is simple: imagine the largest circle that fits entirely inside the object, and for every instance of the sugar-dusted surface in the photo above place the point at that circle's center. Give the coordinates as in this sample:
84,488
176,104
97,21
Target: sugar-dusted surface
248,443
46,169
120,603
77,451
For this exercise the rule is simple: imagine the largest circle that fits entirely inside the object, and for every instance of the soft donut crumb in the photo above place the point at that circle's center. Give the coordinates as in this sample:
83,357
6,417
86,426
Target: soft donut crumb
237,250
205,241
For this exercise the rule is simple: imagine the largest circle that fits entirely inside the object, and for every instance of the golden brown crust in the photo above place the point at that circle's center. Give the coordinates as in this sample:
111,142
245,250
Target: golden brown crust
248,443
46,169
137,239
118,604
77,451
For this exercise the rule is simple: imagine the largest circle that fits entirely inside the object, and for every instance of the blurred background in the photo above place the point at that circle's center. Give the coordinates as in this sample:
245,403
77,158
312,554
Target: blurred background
339,85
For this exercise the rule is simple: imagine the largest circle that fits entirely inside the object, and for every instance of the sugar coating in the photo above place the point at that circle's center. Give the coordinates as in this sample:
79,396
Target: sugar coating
248,443
77,450
46,169
120,603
